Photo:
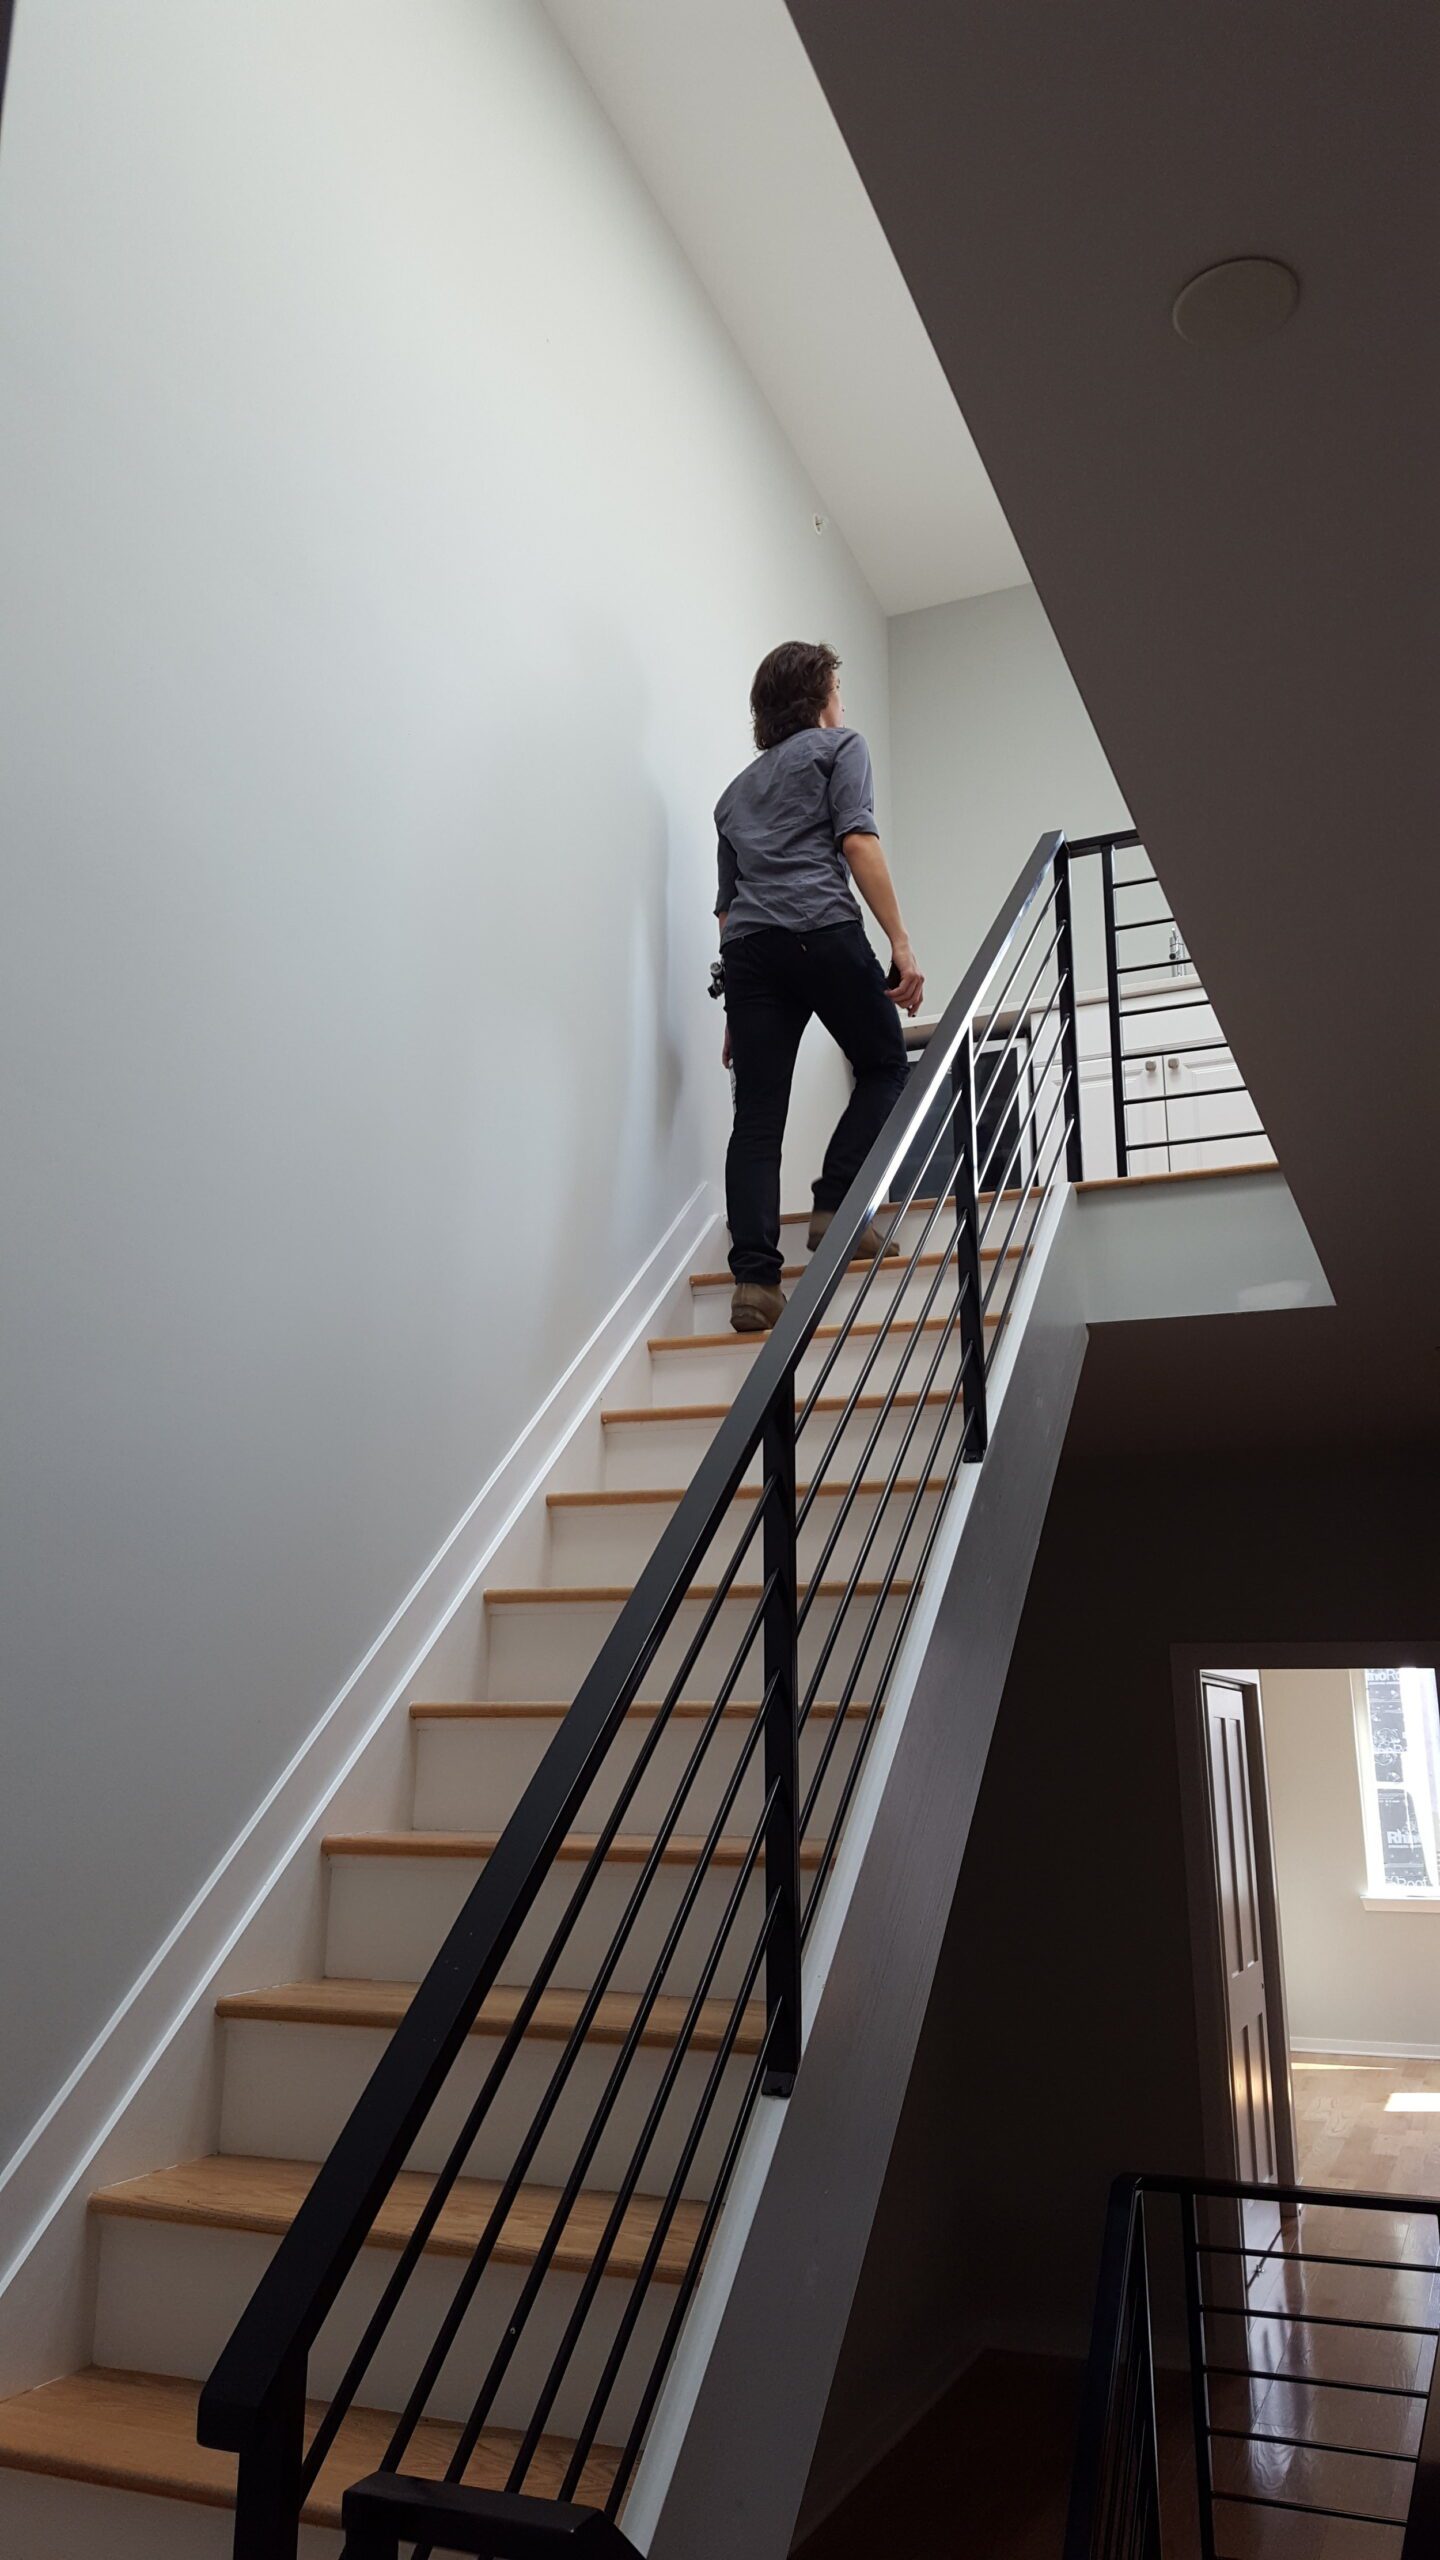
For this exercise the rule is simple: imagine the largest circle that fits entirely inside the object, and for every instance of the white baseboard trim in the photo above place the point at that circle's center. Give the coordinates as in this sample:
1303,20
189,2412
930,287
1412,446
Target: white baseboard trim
887,2427
1369,2045
135,2095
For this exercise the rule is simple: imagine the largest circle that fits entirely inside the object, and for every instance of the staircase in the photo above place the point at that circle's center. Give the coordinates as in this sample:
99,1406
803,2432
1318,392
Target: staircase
462,2203
180,2251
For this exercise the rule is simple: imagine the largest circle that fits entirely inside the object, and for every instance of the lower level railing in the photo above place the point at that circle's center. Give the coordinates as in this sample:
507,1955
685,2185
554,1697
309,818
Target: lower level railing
1295,2379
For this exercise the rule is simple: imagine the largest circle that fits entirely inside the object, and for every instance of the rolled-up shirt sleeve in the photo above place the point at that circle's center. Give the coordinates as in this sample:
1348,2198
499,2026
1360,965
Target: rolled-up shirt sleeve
852,789
729,871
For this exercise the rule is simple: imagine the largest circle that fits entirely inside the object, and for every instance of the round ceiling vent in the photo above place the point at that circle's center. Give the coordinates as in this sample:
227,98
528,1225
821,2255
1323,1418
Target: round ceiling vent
1228,305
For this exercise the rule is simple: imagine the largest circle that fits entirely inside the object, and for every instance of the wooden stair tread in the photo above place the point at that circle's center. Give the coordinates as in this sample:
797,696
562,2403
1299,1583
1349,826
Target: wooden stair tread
730,1340
887,1208
263,2196
487,1711
383,2004
630,1495
627,1849
797,1270
136,2431
539,1595
904,1402
1181,1173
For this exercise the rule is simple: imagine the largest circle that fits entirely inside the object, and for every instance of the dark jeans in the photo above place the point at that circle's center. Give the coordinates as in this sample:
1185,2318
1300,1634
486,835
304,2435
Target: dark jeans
774,981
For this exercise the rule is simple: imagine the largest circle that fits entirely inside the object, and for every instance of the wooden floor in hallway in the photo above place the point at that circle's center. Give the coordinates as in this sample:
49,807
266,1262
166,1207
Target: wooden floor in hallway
1365,2121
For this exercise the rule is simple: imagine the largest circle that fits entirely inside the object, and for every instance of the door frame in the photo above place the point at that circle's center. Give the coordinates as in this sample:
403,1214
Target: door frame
1188,1663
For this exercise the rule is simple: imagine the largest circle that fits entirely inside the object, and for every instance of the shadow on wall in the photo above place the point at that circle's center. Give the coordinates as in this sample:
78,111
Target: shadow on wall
585,1136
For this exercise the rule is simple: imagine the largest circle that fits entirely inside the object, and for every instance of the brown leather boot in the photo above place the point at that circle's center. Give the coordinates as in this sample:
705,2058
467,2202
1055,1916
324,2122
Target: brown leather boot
869,1246
754,1308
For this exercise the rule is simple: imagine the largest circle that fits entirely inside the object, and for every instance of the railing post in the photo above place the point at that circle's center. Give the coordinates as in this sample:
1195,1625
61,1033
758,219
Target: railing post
967,1252
782,1744
268,2494
1112,988
1199,2389
1149,2416
1069,1040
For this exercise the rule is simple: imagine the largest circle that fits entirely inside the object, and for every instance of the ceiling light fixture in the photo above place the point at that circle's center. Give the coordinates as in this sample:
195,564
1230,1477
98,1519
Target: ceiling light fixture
1243,298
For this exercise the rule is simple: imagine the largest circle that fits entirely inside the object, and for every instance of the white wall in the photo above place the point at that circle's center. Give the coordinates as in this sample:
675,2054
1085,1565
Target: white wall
1352,1976
991,744
388,532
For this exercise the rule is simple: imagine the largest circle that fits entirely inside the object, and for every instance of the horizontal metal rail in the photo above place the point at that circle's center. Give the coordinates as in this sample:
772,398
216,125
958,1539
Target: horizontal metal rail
1103,2443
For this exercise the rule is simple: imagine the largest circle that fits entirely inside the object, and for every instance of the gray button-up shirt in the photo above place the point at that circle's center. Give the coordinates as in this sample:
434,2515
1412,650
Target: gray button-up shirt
780,824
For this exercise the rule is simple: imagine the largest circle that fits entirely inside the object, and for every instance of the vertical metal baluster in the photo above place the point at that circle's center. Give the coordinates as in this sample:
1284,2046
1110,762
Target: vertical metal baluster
1199,2393
967,1224
1069,1039
782,1745
268,2495
1140,2278
1112,982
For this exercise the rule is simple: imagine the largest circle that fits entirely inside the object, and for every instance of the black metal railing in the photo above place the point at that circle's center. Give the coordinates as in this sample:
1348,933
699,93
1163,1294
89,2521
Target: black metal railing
843,1445
1310,2323
1178,1097
1115,2496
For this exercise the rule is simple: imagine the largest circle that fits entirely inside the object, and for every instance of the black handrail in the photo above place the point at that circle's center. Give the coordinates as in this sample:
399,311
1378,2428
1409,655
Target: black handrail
254,2400
7,19
1115,2507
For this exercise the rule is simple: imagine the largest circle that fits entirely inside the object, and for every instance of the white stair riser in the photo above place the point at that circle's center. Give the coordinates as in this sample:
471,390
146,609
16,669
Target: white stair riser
48,2519
170,2295
667,1452
388,1916
716,1374
907,1235
544,1650
610,1542
711,1308
289,2090
470,1776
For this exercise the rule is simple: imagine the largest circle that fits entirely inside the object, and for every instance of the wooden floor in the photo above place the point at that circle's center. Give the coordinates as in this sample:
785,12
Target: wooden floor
1353,2129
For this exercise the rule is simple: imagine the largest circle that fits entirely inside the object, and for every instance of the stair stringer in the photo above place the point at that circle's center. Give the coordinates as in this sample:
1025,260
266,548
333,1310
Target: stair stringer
728,2456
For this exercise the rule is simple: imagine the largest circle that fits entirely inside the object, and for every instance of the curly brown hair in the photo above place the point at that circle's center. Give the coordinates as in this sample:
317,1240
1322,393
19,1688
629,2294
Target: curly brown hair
791,689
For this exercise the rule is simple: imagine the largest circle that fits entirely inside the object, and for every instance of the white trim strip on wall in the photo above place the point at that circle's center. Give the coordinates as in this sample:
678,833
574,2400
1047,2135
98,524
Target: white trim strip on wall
145,2087
1370,2051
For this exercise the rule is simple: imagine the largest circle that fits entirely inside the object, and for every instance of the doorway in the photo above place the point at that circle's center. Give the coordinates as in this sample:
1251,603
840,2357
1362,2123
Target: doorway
1313,1843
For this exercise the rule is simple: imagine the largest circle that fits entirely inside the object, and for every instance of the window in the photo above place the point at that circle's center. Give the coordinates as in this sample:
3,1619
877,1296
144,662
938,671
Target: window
1398,1731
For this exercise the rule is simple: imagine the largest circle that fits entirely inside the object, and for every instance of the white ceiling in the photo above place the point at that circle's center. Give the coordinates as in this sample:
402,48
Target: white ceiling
724,118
